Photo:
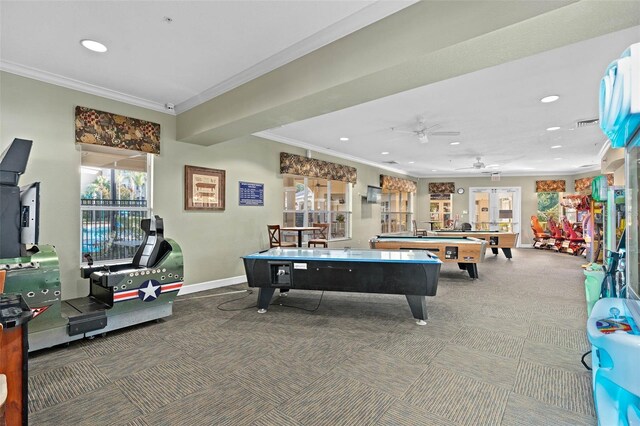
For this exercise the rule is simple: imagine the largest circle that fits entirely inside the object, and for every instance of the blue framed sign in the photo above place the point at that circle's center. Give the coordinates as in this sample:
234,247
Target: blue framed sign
251,194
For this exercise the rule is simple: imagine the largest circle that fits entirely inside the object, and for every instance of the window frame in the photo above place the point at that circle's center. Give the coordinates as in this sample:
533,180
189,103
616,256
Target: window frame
88,207
387,216
327,212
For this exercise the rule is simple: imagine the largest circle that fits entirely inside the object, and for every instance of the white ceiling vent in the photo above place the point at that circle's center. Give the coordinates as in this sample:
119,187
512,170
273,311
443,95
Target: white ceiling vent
587,123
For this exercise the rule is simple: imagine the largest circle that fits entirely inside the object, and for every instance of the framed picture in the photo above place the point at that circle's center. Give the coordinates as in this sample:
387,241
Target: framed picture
204,188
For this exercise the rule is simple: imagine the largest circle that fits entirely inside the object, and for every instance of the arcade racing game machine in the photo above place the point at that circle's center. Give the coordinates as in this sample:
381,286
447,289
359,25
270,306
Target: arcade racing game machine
120,295
612,327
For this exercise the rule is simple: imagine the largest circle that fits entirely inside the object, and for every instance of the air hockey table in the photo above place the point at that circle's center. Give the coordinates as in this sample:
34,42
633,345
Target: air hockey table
413,274
467,252
495,239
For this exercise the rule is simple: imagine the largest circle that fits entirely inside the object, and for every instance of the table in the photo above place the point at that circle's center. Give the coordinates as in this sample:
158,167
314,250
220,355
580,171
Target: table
430,222
465,251
414,274
496,239
300,230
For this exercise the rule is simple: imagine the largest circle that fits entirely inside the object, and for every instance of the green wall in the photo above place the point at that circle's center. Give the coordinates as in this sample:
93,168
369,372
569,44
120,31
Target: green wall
212,242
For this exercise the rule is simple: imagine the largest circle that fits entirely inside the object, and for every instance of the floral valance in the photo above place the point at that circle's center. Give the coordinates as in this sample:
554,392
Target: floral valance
551,186
584,184
442,187
116,131
291,164
398,184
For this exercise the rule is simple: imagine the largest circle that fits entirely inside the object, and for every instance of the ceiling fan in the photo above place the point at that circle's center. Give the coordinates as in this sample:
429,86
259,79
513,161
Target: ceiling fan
423,132
478,165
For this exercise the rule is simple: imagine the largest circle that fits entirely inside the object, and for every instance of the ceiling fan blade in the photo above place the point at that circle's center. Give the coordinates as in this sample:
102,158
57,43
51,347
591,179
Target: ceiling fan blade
444,133
409,132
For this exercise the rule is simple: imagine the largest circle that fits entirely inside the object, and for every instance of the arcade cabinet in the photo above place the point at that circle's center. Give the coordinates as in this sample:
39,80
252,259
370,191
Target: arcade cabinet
612,327
119,296
14,316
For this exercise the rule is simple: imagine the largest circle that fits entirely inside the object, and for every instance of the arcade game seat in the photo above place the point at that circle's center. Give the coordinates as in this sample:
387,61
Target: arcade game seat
576,242
556,235
540,238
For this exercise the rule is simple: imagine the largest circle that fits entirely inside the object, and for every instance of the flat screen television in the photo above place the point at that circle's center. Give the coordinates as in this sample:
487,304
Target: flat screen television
374,194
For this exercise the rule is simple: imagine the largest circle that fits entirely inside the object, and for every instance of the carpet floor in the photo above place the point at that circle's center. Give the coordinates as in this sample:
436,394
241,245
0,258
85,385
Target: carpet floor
500,350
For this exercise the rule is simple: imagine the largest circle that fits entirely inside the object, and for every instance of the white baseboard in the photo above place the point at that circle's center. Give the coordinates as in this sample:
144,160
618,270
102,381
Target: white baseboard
208,285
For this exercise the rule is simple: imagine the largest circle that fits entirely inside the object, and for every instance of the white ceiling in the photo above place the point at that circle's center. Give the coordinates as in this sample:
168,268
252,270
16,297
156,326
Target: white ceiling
211,47
496,110
208,48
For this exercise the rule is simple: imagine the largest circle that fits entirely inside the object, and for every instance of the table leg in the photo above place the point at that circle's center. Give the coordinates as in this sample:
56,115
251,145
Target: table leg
472,269
418,305
299,238
507,252
264,298
494,250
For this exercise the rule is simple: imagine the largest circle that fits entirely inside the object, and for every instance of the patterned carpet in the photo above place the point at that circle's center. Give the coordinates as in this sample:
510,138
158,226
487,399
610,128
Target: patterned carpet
501,350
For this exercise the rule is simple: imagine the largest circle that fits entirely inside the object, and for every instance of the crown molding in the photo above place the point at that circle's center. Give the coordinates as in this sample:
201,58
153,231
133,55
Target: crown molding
571,172
294,142
80,86
333,32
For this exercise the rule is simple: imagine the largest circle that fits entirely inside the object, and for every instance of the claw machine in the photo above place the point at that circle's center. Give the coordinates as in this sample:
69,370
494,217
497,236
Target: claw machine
612,327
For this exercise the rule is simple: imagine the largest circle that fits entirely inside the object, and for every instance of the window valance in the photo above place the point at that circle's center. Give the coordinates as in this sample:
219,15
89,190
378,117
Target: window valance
291,164
551,186
584,184
117,131
398,184
442,187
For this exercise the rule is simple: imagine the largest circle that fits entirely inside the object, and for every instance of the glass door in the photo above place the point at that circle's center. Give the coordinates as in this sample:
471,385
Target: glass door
495,209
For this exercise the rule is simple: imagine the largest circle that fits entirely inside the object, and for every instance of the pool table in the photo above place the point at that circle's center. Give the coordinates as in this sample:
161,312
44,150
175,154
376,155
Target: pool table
465,251
496,239
413,274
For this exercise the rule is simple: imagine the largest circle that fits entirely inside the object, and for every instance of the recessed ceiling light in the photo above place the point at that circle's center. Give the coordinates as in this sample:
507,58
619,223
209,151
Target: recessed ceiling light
553,129
385,153
344,139
548,99
434,170
93,45
556,146
454,143
558,158
411,162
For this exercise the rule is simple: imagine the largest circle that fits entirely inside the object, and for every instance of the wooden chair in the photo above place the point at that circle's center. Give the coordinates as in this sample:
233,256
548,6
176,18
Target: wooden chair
417,231
320,235
275,239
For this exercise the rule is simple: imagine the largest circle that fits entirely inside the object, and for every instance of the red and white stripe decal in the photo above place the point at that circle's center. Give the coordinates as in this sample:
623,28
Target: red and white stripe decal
122,296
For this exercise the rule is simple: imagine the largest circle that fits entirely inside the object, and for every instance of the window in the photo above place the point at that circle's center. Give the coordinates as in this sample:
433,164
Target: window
397,211
440,211
114,198
314,200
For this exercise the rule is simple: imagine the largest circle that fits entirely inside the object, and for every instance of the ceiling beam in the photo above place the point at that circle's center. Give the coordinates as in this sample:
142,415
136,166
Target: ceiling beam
427,42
